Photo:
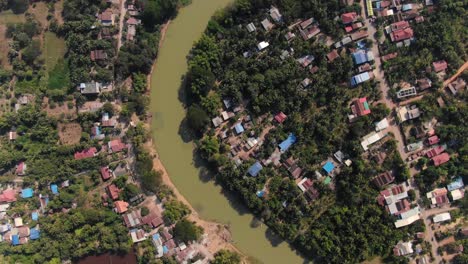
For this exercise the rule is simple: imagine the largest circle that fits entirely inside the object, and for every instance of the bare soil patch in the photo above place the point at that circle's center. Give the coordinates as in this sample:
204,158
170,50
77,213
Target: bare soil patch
58,8
69,133
59,111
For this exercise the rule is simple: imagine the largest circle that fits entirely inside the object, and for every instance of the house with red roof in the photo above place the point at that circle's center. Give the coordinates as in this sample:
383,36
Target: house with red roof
152,220
105,173
8,196
121,206
86,153
360,107
348,18
113,191
116,145
402,34
383,179
433,140
132,21
280,117
21,169
97,55
389,56
439,65
441,159
435,151
399,25
332,55
438,196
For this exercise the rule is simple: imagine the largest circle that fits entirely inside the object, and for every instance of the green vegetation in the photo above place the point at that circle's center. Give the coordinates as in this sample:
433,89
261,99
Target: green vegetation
175,211
187,231
54,50
226,257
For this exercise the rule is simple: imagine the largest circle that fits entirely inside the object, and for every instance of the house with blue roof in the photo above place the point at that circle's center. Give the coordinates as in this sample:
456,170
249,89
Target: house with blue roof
361,57
27,193
54,188
255,169
286,144
362,77
239,128
15,240
456,184
35,234
328,167
34,216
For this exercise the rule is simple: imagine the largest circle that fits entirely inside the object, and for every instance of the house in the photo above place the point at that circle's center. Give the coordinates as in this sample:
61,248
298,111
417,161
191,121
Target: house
424,84
34,216
306,23
306,60
328,167
137,235
97,55
106,18
131,32
314,69
403,249
116,146
360,107
348,18
255,169
439,65
438,196
362,56
457,194
12,135
239,128
21,169
96,133
310,32
392,195
113,191
18,221
107,121
407,7
435,151
262,45
362,77
152,220
90,88
132,219
402,34
8,196
339,156
289,36
419,19
371,138
399,25
441,217
280,117
359,35
457,85
54,189
331,56
275,14
132,21
383,179
217,121
389,56
86,153
433,140
27,193
381,125
406,92
365,67
407,112
121,206
34,234
456,184
267,25
105,173
306,82
287,143
251,27
440,159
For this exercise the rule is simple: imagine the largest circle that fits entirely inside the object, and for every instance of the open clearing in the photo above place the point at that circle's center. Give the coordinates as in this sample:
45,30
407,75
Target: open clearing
59,110
7,17
70,133
54,49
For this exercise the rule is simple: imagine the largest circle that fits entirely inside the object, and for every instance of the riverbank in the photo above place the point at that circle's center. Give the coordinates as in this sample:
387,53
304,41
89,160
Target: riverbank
218,235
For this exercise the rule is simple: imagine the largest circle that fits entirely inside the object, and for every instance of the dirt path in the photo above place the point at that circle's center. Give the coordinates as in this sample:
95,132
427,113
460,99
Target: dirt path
451,79
122,11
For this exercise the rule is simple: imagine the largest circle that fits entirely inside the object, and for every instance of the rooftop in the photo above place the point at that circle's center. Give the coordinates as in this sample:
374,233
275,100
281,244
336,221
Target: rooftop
255,169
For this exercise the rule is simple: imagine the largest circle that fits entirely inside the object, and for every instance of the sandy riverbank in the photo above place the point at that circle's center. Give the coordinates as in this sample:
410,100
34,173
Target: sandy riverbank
218,235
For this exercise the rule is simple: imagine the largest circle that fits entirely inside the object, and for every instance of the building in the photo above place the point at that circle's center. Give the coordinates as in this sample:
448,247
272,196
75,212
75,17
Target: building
402,34
309,32
435,151
91,88
440,159
328,167
362,77
113,191
361,56
433,140
27,193
371,138
12,135
389,56
406,92
306,23
442,217
116,146
121,206
439,65
255,169
287,143
383,179
105,173
381,125
438,196
97,55
251,27
306,60
262,45
275,14
21,168
359,35
399,25
348,18
424,84
267,25
407,112
408,217
86,153
331,56
280,117
457,86
239,128
456,184
106,18
137,235
8,196
359,107
132,219
403,249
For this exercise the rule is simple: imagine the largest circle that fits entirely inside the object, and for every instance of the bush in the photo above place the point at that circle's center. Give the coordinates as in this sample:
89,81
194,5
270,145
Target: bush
187,231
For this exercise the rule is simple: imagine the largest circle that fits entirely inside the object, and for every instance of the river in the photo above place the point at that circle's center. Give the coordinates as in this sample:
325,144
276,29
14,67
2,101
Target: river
176,152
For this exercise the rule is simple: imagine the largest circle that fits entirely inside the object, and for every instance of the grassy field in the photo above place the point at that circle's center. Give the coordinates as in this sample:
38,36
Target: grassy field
54,49
7,17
